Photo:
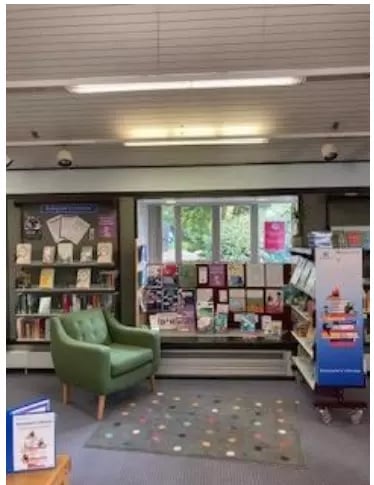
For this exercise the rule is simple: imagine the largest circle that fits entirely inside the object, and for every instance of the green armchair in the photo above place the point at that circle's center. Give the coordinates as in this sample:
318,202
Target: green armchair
92,350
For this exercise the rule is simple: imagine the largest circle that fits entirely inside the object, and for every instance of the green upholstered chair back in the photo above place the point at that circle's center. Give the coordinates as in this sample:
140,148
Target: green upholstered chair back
87,326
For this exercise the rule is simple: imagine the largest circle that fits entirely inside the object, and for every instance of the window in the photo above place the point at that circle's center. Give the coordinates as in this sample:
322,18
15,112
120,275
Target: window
235,233
196,228
168,233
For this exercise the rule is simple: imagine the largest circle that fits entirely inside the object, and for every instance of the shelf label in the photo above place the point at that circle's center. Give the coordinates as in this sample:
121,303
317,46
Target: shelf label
68,208
339,318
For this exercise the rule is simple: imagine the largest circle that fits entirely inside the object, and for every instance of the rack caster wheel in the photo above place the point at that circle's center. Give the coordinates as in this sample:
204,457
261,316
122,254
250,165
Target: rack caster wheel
356,416
325,414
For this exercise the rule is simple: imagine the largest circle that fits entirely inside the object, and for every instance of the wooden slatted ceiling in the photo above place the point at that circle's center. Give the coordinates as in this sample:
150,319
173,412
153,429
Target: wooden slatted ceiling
90,40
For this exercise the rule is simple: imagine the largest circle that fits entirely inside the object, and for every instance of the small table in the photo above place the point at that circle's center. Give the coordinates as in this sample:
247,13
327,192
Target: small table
60,475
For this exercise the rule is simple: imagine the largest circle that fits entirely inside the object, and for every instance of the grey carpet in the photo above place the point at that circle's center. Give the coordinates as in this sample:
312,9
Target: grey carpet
337,454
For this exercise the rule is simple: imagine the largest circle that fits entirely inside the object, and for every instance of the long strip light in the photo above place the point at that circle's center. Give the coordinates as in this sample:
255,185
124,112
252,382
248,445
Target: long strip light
195,141
185,84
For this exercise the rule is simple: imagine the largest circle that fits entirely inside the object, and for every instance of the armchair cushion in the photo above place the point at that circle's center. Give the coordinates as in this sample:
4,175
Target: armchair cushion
125,358
87,326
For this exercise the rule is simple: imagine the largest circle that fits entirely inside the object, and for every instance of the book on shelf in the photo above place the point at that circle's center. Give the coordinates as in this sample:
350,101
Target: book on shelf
45,305
153,299
23,253
104,252
274,275
266,325
187,276
235,275
107,279
86,255
205,316
170,274
255,301
217,275
221,318
169,299
202,275
32,328
65,252
237,300
49,254
274,302
204,294
248,322
154,276
83,278
47,278
255,275
186,309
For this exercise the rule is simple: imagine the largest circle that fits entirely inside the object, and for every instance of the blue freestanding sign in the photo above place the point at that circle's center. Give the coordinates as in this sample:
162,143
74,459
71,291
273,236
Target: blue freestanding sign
339,318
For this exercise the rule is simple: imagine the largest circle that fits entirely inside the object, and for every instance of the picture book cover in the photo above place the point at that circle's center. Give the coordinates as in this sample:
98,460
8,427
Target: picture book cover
277,326
84,278
255,275
169,274
169,299
154,276
217,275
186,309
248,322
86,255
266,325
49,253
168,321
205,316
104,252
237,300
187,276
47,278
45,305
204,294
223,296
274,275
202,275
235,275
255,301
221,318
274,301
65,252
153,300
23,253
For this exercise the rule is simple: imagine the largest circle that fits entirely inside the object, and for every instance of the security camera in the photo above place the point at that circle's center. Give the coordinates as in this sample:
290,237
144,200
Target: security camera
329,152
64,158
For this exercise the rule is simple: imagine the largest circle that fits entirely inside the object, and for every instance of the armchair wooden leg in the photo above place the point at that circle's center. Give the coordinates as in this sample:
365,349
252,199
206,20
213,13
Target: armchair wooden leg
152,381
66,393
101,407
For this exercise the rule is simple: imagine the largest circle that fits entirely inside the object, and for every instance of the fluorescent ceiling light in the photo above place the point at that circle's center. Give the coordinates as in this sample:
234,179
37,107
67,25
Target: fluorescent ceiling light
245,82
195,141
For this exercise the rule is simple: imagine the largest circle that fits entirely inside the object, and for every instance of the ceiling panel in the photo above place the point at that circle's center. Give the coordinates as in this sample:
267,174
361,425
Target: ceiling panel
70,41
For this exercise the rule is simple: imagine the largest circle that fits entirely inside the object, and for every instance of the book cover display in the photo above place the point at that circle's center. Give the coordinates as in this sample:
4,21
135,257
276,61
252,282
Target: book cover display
255,301
237,300
235,275
47,278
186,309
221,318
23,253
49,253
170,275
154,276
255,275
169,299
217,275
30,437
104,252
205,316
248,322
274,301
187,276
339,318
84,278
65,253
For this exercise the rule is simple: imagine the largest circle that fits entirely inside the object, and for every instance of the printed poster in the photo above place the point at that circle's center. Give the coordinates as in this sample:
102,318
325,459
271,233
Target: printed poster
107,226
275,236
339,319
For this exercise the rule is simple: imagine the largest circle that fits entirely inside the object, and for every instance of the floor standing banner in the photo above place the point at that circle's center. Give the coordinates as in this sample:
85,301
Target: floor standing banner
339,318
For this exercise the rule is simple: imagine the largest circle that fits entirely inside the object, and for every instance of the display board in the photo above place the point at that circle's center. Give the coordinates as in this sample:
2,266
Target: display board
339,317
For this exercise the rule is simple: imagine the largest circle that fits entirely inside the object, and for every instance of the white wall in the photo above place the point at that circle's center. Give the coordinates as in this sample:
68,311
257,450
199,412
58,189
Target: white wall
297,176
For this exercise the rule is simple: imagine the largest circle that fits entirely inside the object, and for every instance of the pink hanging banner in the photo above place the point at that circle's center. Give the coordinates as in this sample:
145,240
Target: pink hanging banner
275,236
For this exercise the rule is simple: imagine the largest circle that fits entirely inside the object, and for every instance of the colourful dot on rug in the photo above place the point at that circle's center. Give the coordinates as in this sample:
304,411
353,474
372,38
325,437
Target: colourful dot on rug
167,416
239,399
177,448
297,402
212,419
257,423
160,394
279,410
125,413
108,436
258,404
258,436
176,398
132,404
209,431
280,420
230,453
215,410
236,408
142,420
205,444
187,424
155,401
135,431
232,440
195,404
282,431
156,438
161,426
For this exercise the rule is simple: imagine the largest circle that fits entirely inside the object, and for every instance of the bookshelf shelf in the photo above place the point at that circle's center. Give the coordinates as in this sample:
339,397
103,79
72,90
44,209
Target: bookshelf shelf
39,315
306,369
33,340
303,316
305,343
74,264
66,290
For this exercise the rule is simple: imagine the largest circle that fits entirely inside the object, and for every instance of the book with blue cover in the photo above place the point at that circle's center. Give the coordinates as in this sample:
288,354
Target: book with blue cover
30,437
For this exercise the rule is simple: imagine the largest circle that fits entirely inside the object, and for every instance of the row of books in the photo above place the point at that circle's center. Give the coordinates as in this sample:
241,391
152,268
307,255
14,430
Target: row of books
33,329
304,276
104,253
210,319
215,275
105,279
237,299
339,239
65,303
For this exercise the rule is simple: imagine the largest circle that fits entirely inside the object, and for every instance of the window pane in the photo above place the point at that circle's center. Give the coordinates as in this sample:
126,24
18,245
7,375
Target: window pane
275,212
168,233
235,232
196,226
